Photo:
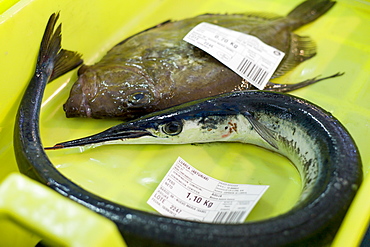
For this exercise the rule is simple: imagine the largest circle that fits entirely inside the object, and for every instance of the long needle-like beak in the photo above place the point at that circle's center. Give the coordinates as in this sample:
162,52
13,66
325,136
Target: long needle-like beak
112,134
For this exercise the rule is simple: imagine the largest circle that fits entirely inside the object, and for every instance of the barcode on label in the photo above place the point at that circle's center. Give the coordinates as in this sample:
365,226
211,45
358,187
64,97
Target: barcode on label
229,217
252,71
258,60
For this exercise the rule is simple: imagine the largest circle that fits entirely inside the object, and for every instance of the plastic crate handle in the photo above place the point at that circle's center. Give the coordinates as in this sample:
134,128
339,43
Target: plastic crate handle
52,217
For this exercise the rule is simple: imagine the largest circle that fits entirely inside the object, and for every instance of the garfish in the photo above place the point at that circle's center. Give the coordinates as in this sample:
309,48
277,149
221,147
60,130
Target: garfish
156,69
312,139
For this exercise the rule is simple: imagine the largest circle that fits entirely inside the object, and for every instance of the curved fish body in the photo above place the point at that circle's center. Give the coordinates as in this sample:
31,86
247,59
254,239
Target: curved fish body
156,69
52,62
316,143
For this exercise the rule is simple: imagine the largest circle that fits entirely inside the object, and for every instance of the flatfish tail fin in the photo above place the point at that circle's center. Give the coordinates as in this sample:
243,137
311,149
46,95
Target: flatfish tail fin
309,11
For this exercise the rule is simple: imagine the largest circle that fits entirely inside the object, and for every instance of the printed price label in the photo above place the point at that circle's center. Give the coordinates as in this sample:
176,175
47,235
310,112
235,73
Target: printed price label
246,55
187,193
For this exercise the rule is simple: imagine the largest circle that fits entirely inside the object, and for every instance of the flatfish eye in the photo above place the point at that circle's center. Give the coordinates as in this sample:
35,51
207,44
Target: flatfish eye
139,98
172,128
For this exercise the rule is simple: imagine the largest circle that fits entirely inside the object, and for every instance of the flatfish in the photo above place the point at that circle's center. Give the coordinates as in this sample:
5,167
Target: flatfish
156,69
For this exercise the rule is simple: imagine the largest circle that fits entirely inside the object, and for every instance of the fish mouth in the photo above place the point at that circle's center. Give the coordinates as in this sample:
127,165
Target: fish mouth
110,135
117,91
77,104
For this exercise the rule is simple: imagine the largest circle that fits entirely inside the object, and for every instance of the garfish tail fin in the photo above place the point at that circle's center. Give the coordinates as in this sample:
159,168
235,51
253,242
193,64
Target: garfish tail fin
309,11
283,88
51,56
265,133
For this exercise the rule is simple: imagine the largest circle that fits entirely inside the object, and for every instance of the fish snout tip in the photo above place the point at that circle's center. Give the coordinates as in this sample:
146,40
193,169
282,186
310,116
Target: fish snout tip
55,147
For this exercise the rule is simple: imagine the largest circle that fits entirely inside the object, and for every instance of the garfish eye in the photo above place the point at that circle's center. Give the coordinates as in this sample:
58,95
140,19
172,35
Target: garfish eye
139,98
172,128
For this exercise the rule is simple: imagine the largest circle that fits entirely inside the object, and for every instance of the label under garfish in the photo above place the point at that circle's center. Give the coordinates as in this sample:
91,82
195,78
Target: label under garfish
246,55
187,193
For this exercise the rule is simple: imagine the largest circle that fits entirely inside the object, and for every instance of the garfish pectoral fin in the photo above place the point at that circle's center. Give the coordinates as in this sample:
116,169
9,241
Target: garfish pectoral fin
265,133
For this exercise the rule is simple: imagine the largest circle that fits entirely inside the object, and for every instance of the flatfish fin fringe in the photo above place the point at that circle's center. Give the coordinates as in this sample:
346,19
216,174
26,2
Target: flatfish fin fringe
302,48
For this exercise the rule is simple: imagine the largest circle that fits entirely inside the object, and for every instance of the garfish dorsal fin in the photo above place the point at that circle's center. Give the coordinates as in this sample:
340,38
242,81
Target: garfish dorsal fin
51,52
265,133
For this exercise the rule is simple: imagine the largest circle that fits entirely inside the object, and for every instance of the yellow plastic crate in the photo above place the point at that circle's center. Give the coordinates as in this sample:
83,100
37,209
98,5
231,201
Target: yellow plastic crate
93,27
